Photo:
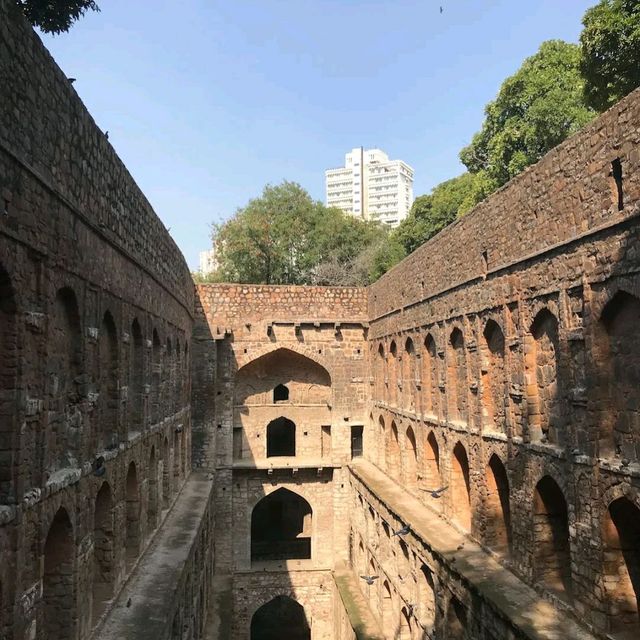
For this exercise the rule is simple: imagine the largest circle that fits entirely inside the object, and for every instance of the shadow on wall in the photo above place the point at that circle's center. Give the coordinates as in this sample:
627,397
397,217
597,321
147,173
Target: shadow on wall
581,374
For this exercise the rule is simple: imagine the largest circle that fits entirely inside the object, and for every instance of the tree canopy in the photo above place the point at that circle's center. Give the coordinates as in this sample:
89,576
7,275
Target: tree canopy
285,237
55,16
610,42
536,109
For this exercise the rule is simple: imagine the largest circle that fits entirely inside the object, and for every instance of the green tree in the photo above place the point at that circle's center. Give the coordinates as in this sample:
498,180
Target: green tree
55,16
536,109
431,213
285,237
610,42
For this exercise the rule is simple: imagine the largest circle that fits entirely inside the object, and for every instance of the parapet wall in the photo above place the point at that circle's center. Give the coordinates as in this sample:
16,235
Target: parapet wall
504,355
96,312
569,194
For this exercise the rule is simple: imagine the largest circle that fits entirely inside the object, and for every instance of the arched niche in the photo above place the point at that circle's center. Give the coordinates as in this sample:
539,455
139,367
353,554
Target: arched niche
281,438
307,381
280,617
281,527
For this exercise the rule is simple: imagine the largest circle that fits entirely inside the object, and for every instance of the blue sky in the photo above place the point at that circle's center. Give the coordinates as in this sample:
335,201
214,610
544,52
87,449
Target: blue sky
208,101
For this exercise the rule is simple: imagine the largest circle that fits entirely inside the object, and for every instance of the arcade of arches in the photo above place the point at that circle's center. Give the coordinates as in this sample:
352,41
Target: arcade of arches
452,452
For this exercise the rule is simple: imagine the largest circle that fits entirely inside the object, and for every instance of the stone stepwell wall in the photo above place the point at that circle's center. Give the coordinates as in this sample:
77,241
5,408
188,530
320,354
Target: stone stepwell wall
46,130
570,193
96,313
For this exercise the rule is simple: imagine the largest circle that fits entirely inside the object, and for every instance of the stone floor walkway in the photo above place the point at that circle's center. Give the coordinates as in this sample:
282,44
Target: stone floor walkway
537,618
152,587
360,615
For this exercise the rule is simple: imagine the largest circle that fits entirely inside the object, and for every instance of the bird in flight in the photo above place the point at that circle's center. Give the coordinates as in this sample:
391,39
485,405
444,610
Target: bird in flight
441,9
403,531
369,579
436,493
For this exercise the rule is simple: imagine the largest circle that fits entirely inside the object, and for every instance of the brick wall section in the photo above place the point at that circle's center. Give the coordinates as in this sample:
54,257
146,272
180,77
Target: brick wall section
230,305
89,280
568,193
509,383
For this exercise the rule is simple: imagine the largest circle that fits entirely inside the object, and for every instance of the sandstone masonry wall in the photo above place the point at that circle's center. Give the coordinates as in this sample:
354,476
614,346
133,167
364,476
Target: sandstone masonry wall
96,312
505,366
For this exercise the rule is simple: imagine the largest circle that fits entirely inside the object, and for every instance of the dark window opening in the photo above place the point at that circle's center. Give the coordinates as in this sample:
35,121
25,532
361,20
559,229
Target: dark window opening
281,527
325,442
281,438
280,393
616,186
356,441
282,614
237,443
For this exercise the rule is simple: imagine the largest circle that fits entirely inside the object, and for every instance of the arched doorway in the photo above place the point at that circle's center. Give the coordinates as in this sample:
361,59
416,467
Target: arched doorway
411,459
103,551
280,618
552,559
132,540
541,362
152,509
58,596
498,512
460,487
456,621
281,527
621,536
616,348
493,377
281,438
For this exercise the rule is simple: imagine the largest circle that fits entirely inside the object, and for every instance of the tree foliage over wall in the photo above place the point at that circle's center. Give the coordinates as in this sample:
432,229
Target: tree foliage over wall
55,16
610,44
536,109
285,237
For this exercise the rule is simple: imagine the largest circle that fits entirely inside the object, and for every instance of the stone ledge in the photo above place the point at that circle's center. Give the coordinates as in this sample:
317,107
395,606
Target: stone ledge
533,616
360,615
145,606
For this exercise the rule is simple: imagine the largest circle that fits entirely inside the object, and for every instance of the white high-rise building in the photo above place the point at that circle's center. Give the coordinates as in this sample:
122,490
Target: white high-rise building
208,262
371,186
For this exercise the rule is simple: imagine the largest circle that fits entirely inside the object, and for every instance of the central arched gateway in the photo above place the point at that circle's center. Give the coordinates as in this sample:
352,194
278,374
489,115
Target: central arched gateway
280,618
281,527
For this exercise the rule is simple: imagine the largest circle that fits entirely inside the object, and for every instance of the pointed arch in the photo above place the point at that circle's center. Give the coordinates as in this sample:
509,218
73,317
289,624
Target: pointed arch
411,459
393,452
65,365
541,366
497,508
457,376
460,489
9,440
58,592
132,494
552,558
152,507
430,375
108,401
621,537
456,621
493,378
136,379
409,376
156,376
103,552
433,477
392,367
427,595
281,527
616,348
166,473
282,613
281,437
